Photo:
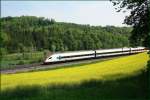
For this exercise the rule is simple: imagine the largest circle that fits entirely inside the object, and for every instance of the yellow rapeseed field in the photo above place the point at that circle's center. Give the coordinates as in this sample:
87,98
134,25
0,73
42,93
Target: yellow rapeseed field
127,65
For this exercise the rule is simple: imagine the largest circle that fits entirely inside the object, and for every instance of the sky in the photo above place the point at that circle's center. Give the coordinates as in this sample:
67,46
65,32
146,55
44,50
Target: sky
81,12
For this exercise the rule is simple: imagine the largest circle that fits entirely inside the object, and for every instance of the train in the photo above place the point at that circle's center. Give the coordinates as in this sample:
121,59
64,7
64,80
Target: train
91,54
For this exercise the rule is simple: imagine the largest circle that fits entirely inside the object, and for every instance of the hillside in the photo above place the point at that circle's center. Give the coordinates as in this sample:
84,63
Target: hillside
30,33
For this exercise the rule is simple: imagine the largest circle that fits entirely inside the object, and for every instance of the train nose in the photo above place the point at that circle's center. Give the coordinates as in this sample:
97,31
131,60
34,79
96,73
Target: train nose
46,61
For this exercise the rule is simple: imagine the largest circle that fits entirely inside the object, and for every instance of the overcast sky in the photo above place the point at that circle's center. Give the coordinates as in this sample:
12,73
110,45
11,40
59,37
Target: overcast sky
80,12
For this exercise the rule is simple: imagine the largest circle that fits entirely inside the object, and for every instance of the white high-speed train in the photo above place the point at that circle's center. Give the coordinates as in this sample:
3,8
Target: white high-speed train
77,55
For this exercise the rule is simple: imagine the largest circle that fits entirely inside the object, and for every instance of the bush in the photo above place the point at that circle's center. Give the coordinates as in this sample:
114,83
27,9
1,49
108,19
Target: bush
21,62
39,60
18,57
46,53
26,56
3,51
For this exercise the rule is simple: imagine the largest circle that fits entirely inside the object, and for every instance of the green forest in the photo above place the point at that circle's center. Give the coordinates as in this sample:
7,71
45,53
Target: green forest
30,33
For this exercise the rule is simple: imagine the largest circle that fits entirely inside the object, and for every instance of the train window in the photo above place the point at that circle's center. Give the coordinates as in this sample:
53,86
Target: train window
76,56
49,57
59,57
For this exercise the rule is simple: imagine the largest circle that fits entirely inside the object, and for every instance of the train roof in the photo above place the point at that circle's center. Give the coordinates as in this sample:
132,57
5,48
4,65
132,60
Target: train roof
72,51
64,52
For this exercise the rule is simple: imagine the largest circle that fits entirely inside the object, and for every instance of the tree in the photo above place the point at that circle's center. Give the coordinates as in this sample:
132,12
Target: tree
52,21
139,19
53,47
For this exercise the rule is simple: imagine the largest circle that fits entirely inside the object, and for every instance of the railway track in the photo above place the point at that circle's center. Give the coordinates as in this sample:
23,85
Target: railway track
41,66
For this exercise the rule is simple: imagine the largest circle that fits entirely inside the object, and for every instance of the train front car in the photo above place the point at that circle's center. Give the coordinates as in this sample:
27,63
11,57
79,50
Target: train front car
69,56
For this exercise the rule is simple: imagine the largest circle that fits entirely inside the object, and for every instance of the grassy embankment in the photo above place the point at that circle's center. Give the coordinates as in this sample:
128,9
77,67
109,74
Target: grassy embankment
10,61
119,78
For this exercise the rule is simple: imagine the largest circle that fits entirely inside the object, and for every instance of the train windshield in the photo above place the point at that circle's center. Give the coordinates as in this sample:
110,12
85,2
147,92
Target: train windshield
49,57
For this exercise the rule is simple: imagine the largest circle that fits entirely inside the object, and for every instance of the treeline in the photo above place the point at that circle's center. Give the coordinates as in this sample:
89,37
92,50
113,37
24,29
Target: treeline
30,33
